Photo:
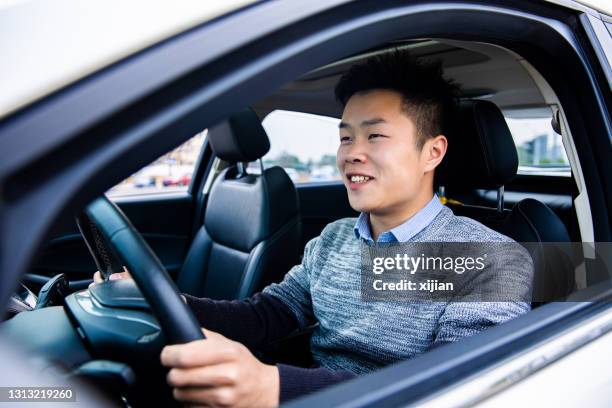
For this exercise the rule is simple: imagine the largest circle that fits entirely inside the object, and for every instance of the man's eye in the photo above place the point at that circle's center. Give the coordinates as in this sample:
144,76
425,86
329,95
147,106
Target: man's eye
374,135
345,139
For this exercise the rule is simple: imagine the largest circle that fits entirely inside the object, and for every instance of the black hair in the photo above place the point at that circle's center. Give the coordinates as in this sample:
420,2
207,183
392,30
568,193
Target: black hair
428,98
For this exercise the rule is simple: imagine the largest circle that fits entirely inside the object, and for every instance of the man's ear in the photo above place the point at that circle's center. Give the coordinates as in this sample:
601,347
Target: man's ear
434,150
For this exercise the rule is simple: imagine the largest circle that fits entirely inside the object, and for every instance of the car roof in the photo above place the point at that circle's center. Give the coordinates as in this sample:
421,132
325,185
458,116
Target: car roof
46,45
52,44
476,67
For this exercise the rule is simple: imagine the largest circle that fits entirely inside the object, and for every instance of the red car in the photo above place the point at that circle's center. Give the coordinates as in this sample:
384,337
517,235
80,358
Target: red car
183,180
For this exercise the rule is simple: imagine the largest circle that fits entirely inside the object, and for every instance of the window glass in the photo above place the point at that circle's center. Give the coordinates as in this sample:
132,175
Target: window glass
304,145
540,148
169,173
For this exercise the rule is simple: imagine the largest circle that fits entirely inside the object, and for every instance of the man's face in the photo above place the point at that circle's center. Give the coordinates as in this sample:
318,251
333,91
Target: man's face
378,157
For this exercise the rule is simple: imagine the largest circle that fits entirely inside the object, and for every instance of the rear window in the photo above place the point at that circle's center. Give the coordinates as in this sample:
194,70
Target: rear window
540,149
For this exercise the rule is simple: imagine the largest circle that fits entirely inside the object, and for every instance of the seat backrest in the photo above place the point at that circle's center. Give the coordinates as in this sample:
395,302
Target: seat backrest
534,222
251,230
481,154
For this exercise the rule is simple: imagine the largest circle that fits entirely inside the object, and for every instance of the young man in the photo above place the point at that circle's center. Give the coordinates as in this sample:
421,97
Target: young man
391,141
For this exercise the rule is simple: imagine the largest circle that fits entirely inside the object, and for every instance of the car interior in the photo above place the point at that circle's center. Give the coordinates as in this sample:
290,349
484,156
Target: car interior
236,230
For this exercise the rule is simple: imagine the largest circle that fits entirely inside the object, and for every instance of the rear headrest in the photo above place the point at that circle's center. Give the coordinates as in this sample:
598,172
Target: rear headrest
481,152
241,138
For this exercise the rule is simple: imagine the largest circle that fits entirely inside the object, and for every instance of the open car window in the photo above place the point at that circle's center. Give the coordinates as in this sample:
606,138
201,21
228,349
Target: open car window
169,173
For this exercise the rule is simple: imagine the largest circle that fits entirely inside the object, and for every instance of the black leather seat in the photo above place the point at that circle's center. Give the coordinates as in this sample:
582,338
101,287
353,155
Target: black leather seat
533,222
482,154
251,228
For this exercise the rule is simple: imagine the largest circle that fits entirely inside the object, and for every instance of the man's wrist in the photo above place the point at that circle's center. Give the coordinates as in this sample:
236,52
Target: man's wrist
272,386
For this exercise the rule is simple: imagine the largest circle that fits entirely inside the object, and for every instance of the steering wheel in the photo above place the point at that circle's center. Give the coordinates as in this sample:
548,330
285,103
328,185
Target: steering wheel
114,242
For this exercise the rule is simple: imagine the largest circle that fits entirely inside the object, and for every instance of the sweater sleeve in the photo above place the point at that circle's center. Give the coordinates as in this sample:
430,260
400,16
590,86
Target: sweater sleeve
271,315
297,381
253,322
257,321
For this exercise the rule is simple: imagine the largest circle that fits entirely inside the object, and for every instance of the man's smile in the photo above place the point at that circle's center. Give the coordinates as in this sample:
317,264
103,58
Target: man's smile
357,180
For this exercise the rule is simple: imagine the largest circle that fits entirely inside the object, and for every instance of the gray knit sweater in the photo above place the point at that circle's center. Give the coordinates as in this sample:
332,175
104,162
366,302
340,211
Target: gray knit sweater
361,336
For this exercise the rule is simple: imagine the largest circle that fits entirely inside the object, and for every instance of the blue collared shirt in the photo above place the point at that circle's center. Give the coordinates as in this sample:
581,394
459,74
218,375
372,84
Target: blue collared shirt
405,231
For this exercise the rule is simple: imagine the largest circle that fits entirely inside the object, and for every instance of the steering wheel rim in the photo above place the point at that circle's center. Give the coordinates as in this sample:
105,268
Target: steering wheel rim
106,259
174,316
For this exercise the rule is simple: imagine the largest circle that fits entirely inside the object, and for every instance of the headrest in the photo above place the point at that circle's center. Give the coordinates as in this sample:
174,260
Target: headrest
481,152
241,138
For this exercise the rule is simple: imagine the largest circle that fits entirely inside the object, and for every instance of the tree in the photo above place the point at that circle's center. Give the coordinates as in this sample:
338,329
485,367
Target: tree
327,160
285,159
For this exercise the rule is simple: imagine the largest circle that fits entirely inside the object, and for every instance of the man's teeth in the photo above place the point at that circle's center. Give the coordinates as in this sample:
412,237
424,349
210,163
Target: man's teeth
359,179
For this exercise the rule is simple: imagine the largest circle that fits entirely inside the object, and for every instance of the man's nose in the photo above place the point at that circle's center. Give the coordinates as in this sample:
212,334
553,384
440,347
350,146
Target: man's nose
356,154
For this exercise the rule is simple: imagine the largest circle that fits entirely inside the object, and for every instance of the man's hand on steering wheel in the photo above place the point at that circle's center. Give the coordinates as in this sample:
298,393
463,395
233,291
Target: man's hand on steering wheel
97,277
220,372
216,371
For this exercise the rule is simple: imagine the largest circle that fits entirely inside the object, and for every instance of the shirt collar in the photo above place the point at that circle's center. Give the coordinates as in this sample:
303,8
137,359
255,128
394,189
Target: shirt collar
405,231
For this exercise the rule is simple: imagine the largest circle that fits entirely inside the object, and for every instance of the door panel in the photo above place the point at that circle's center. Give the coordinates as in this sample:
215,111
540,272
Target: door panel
164,220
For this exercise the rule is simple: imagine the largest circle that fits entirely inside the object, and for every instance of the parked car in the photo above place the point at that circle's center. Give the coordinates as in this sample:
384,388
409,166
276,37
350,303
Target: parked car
144,181
183,180
92,94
